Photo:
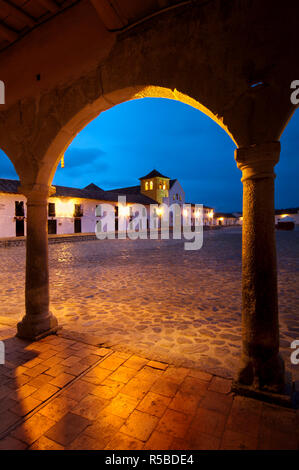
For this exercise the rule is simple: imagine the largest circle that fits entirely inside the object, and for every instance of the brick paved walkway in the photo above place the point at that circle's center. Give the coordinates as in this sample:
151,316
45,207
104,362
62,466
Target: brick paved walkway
60,393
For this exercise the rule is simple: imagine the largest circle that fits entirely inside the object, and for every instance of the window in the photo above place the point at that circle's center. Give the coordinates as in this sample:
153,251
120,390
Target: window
78,212
160,185
131,213
164,185
180,197
52,227
173,197
51,209
20,230
98,211
151,185
146,185
177,196
77,226
19,209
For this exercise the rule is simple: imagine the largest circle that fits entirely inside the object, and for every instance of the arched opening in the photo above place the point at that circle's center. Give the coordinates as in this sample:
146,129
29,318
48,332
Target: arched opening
168,315
287,208
255,161
286,171
86,114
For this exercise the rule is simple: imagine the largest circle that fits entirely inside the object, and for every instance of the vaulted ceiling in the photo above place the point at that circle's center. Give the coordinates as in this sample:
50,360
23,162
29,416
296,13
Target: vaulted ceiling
19,17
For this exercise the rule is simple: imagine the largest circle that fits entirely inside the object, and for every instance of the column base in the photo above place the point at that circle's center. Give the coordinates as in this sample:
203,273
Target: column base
285,397
35,327
260,374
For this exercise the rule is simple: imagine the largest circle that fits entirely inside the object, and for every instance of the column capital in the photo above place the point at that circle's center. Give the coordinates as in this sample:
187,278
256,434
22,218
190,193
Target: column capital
258,161
37,193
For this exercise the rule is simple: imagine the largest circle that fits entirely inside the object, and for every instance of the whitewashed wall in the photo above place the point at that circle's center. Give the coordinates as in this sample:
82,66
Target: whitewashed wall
64,214
64,207
293,216
175,190
7,214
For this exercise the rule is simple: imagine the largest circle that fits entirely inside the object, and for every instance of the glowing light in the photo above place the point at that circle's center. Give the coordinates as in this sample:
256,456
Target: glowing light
62,161
65,208
185,212
124,210
221,218
283,216
210,214
159,211
151,185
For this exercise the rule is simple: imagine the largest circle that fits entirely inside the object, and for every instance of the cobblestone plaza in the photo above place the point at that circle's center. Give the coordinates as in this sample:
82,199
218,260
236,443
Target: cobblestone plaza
153,298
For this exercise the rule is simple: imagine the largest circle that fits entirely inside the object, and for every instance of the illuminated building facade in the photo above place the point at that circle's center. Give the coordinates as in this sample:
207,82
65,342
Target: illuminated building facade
73,210
292,213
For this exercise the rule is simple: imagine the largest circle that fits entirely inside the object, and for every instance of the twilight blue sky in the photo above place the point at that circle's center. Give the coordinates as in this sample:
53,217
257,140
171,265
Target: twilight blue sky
131,139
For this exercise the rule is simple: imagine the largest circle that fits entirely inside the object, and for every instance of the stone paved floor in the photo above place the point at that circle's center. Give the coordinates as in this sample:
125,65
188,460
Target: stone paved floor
60,393
153,298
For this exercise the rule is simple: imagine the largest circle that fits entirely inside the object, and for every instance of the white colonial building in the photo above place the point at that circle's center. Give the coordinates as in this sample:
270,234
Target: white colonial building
291,213
227,218
73,210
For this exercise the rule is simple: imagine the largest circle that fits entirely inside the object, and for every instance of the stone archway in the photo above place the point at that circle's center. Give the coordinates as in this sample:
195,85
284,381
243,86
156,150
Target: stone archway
210,52
37,201
63,139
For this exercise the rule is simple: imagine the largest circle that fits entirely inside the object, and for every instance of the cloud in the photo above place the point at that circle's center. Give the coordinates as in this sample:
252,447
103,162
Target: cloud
113,183
78,157
82,166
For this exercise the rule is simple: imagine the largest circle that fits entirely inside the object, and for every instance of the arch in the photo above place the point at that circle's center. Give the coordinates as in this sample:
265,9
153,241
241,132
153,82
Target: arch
67,133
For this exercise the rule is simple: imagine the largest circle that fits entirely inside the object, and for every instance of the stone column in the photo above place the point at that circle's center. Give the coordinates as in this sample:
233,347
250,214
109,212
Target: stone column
38,321
261,365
